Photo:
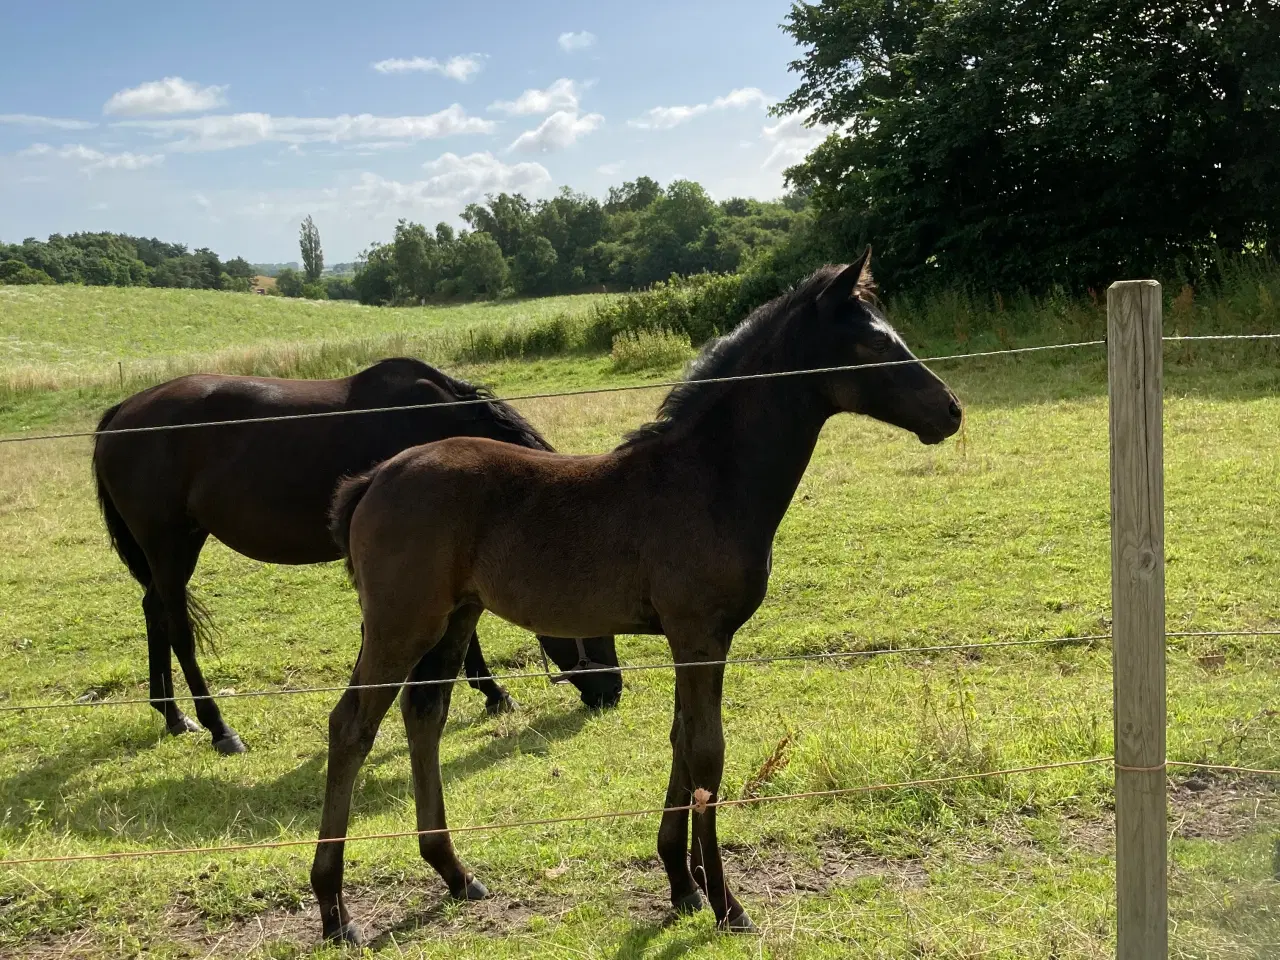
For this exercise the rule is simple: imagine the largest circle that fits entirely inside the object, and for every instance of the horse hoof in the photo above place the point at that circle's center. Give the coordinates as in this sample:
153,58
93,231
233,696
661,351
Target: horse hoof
184,724
229,744
690,903
504,705
740,924
348,933
474,890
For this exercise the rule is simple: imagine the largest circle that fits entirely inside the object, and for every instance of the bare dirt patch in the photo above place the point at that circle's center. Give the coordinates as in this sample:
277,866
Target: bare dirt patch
1212,809
402,913
1200,808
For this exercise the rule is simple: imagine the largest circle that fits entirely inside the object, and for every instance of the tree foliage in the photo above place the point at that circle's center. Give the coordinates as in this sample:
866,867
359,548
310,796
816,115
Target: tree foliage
312,255
290,282
1006,144
116,259
642,234
16,272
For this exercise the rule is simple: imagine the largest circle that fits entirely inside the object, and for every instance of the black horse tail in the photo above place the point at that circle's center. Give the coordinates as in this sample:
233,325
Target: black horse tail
345,500
130,551
122,541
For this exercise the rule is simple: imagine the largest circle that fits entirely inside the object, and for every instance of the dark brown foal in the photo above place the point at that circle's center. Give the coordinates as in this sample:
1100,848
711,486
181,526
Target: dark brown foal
670,533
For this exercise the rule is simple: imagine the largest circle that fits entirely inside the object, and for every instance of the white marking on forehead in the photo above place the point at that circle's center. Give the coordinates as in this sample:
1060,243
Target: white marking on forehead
883,326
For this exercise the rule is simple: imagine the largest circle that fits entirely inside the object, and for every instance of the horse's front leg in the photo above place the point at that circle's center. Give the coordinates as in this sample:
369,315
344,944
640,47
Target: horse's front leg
699,691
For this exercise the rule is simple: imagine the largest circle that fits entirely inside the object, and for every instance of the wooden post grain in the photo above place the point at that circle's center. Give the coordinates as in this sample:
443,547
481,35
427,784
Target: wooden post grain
1136,391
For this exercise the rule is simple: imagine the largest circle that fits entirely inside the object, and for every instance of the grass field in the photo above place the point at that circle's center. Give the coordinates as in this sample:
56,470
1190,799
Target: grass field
1000,534
73,331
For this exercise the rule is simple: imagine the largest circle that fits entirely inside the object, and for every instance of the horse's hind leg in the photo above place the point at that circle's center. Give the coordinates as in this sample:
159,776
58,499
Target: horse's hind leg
171,569
496,698
160,661
425,709
353,725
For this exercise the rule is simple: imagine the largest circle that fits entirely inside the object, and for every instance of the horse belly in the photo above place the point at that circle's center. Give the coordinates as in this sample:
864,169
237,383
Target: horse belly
560,604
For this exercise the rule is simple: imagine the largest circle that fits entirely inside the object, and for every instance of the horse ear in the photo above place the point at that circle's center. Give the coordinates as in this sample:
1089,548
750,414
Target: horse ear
847,280
864,276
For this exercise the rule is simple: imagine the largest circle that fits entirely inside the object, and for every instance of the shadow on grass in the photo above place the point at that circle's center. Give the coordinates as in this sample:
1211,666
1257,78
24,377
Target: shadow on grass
192,809
499,918
48,780
635,943
543,730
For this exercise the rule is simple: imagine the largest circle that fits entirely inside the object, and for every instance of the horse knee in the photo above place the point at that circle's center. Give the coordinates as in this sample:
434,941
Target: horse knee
345,730
705,756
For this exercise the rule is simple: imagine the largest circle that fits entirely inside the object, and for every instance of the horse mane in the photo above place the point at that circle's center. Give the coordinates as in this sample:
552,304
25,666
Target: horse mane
507,418
756,345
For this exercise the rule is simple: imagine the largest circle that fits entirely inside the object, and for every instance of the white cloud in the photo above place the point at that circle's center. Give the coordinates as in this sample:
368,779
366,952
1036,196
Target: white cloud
461,68
170,95
561,95
451,182
610,169
571,42
55,123
664,118
472,176
369,205
742,97
558,131
792,140
90,160
227,131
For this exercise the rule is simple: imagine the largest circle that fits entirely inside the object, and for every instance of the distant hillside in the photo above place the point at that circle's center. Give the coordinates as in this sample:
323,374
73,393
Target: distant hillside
273,269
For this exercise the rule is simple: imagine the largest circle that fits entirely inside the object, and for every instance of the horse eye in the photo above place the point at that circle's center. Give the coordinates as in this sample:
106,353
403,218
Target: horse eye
880,342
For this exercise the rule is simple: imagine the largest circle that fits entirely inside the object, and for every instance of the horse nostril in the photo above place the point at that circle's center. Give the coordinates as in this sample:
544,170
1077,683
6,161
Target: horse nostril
954,409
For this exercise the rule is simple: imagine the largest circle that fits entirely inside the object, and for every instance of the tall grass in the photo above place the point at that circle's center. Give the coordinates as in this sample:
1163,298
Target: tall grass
649,350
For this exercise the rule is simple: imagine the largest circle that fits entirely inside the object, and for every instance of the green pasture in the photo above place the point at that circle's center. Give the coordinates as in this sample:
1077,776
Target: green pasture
1001,533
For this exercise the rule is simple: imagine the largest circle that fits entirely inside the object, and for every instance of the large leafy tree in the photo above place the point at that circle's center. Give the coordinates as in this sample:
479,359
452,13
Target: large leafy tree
481,268
1008,144
504,217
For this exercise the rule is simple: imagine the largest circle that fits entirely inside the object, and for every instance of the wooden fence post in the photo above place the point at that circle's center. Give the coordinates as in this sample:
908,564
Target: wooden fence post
1136,392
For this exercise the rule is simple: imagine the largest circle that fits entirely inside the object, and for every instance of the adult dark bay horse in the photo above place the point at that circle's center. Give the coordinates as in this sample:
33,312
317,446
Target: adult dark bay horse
264,490
671,533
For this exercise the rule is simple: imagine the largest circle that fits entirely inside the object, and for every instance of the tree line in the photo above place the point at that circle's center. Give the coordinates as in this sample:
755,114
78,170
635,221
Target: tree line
119,260
639,234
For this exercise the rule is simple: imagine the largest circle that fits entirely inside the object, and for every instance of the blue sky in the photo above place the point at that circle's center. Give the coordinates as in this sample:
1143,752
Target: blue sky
224,125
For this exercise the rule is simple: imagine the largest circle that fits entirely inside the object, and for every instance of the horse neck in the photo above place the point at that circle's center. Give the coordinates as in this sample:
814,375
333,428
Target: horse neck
763,435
